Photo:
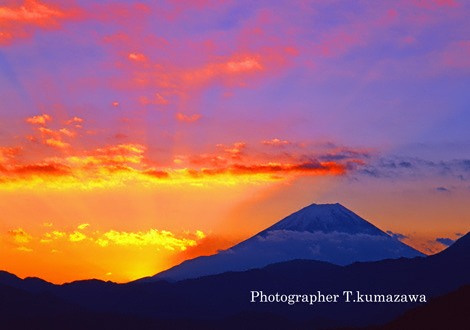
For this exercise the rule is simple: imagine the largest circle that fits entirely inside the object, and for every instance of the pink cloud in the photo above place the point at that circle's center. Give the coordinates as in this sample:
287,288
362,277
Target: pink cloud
457,55
276,142
20,21
434,4
188,118
138,57
157,99
238,64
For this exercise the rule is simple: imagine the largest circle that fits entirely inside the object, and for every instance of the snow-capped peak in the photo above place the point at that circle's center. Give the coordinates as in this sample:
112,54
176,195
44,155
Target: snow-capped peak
325,218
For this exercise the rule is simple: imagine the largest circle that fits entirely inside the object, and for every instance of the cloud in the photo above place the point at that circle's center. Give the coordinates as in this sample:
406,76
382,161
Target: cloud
52,137
163,238
120,154
398,236
38,169
456,55
20,236
51,236
181,81
157,173
208,245
276,142
445,241
303,167
138,57
24,249
39,119
407,167
239,64
67,132
153,237
442,189
434,4
342,153
158,99
128,163
75,120
83,226
188,118
77,236
20,21
56,143
8,154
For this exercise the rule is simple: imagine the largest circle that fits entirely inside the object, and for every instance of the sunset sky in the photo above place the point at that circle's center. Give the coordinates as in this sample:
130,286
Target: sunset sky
137,134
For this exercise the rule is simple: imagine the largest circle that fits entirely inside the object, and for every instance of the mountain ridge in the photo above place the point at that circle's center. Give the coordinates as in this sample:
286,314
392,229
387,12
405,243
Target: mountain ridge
163,303
324,232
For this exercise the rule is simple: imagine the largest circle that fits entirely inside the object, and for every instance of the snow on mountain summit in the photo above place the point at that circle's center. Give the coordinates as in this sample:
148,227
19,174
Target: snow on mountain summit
325,218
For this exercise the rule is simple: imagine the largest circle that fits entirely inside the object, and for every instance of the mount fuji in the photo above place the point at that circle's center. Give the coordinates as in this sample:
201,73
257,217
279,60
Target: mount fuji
323,232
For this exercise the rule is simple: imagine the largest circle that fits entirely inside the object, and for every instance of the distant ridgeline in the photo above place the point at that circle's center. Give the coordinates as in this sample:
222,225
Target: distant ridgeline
391,280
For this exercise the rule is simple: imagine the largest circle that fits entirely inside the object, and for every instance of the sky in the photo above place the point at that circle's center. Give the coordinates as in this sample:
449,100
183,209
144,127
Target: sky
137,134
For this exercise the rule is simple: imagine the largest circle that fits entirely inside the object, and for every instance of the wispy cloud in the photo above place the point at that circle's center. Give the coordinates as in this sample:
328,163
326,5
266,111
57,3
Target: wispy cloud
445,241
397,235
396,167
188,118
276,142
21,20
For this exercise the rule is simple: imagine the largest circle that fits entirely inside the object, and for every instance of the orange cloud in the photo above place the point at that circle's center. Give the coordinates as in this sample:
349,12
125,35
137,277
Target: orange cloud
19,21
39,119
67,132
120,164
113,155
163,238
127,163
50,137
157,173
152,237
49,169
56,143
186,118
7,154
20,236
77,236
83,226
208,245
51,236
24,249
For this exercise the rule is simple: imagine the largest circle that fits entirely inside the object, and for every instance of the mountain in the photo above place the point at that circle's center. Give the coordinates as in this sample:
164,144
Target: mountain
223,301
446,312
324,232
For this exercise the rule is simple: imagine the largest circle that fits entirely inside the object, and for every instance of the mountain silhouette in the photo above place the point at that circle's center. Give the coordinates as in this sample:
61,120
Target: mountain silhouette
324,232
445,312
223,300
